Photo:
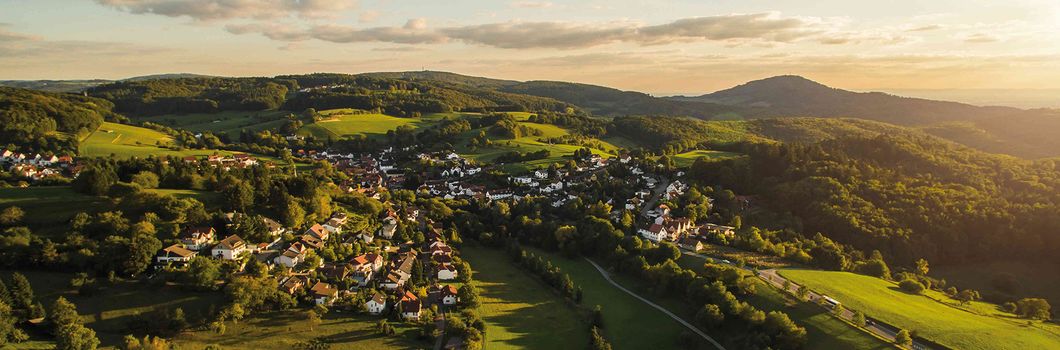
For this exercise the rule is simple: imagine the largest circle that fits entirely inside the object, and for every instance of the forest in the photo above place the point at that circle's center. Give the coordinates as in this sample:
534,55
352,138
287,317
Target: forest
49,122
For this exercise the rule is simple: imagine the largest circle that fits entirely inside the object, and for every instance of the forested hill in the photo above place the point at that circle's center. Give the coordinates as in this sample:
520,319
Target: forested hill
904,194
36,121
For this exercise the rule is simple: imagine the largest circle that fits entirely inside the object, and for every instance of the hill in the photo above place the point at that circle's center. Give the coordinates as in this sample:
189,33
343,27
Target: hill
1004,130
44,121
613,102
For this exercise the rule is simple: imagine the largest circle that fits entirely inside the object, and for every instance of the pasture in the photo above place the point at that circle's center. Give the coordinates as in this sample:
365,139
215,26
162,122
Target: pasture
933,315
520,311
131,141
686,159
339,123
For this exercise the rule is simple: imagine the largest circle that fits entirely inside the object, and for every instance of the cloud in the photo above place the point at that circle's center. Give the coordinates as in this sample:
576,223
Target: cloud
980,38
368,16
925,28
208,10
532,4
762,28
7,36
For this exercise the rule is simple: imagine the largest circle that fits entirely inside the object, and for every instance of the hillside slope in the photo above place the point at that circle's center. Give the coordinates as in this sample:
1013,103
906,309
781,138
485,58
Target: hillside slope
44,121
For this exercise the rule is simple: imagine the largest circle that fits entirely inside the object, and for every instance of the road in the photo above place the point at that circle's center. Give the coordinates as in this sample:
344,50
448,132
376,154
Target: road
439,323
656,193
660,308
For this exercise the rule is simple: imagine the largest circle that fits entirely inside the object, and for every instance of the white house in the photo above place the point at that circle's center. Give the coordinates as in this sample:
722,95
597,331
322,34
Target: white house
197,238
541,174
376,305
447,272
175,253
229,248
323,293
294,255
655,233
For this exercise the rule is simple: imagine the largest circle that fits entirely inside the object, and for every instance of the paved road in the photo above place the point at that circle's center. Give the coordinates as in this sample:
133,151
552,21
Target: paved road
660,308
656,193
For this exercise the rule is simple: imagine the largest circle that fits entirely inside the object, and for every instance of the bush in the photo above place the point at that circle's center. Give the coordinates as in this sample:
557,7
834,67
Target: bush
911,286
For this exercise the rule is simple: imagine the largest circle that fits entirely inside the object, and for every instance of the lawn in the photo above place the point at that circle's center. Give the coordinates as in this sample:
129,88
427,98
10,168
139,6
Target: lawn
283,330
687,158
132,141
230,122
109,311
628,323
520,311
344,122
558,152
932,316
48,208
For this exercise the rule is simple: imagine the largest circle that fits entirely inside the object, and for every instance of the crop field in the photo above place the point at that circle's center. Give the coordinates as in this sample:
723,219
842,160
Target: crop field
230,122
933,315
520,311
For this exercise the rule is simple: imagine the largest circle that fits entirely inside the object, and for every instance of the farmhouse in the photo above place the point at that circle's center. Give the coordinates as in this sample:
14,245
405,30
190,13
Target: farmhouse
230,248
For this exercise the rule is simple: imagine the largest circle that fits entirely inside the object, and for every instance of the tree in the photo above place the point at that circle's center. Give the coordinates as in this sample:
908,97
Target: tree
967,296
63,314
94,180
145,179
803,292
463,270
142,249
238,196
710,316
21,292
903,338
597,341
313,318
468,295
1033,308
76,337
7,323
911,286
922,267
859,318
202,272
11,216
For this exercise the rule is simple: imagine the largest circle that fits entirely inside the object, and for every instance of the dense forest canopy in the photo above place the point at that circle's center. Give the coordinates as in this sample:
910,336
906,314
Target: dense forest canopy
908,196
49,122
195,95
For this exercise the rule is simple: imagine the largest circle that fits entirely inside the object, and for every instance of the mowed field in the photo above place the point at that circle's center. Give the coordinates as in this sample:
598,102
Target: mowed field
131,141
558,152
345,122
932,316
628,323
520,311
48,208
687,158
230,122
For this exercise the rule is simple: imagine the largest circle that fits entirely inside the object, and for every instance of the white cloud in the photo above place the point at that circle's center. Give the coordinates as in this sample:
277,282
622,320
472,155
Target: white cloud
532,4
207,10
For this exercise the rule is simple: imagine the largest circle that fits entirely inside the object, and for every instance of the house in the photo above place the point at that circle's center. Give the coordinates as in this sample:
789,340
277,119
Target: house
333,226
447,272
230,248
274,229
388,229
541,174
294,255
371,261
445,295
655,233
197,238
318,231
174,253
395,279
689,243
312,241
323,293
727,231
293,284
336,271
376,305
410,306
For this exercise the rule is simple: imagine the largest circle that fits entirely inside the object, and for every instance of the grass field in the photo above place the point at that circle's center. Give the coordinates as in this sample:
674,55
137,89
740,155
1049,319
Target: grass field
109,311
129,141
344,122
230,122
520,311
628,322
48,208
933,316
283,330
1030,282
558,152
687,158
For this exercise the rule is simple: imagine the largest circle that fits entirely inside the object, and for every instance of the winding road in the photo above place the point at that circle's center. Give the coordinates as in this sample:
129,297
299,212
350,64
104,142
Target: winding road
660,308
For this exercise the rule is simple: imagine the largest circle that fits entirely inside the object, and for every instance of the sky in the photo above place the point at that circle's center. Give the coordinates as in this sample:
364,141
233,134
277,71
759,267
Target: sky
660,47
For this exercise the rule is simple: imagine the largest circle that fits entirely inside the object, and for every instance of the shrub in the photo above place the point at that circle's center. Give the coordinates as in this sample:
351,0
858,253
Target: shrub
911,286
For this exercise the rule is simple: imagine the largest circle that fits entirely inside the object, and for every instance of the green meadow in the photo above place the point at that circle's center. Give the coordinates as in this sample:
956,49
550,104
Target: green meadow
520,311
933,315
132,141
339,123
687,158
